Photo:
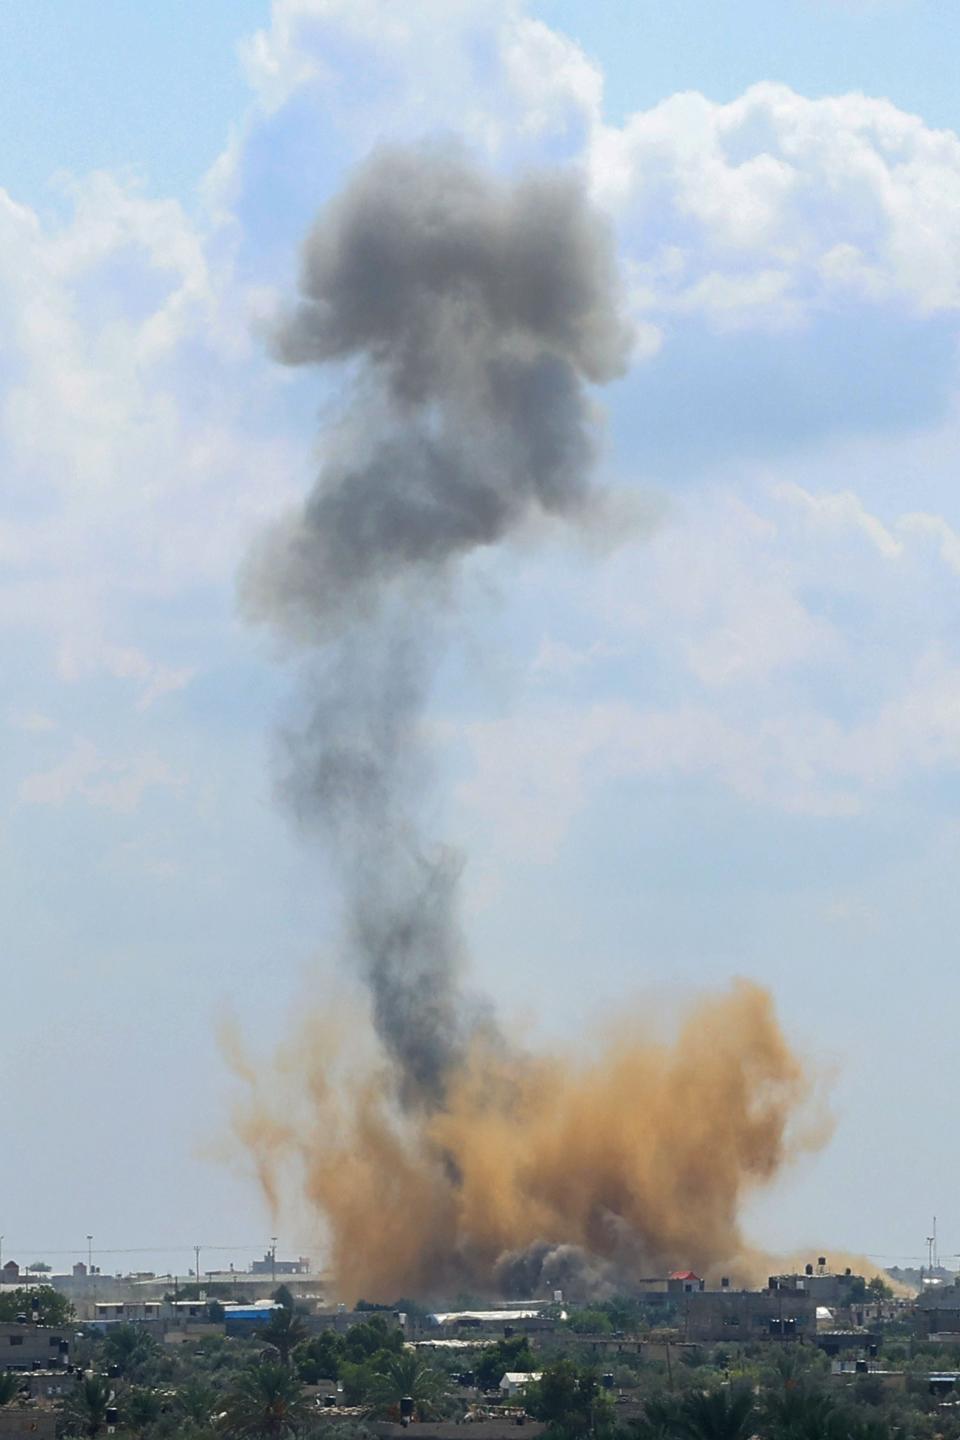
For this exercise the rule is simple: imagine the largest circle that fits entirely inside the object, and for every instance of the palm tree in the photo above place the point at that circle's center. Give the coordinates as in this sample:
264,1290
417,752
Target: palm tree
404,1375
86,1408
9,1384
284,1331
196,1402
141,1408
726,1414
128,1347
659,1420
797,1412
266,1401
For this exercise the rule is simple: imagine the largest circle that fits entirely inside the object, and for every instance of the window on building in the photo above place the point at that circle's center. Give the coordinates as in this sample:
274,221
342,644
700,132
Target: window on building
16,1339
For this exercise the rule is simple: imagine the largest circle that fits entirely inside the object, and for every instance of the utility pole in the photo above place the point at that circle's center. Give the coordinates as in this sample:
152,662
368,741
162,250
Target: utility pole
196,1253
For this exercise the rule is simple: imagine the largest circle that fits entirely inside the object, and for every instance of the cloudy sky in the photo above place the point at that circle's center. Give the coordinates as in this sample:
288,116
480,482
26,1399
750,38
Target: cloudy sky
727,744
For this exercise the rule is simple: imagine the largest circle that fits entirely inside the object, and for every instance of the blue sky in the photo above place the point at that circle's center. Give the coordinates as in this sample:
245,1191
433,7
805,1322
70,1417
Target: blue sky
728,744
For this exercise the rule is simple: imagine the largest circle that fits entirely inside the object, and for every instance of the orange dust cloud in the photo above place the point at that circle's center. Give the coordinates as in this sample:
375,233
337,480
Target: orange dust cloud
641,1155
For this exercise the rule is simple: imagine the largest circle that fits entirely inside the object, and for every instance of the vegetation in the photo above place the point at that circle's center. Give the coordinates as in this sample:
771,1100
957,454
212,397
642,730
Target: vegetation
86,1410
266,1400
222,1387
39,1301
284,1331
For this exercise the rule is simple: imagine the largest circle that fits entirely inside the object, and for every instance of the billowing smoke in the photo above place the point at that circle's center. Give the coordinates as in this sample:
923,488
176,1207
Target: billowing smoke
471,312
468,315
586,1172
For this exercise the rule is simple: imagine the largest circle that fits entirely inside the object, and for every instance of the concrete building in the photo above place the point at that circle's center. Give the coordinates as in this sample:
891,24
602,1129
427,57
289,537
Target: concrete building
779,1313
33,1347
937,1312
271,1266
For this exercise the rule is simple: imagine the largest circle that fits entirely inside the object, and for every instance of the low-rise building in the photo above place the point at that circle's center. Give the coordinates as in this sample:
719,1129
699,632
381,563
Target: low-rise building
779,1313
33,1347
515,1382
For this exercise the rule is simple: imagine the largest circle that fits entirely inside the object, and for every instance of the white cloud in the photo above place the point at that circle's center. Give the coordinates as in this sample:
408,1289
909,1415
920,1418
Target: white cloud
778,205
85,774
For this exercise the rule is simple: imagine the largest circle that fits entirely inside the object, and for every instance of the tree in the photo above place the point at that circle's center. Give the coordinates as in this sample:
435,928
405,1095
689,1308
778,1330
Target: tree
358,1379
128,1347
878,1289
9,1385
406,1375
86,1408
659,1420
569,1399
196,1402
39,1300
371,1335
319,1357
284,1297
590,1322
283,1331
727,1414
497,1359
266,1402
141,1409
797,1412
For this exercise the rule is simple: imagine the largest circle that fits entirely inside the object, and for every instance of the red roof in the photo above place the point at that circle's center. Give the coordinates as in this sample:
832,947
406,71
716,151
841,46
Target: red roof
682,1275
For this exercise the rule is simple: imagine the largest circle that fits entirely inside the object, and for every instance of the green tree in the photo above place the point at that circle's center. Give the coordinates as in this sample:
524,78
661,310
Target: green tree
196,1402
797,1412
568,1399
141,1408
659,1420
727,1414
265,1402
358,1379
496,1360
364,1340
590,1322
284,1331
284,1297
878,1289
129,1348
319,1357
9,1385
85,1410
406,1375
40,1300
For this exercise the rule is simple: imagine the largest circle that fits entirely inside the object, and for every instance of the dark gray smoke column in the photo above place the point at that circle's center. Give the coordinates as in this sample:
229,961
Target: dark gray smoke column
470,311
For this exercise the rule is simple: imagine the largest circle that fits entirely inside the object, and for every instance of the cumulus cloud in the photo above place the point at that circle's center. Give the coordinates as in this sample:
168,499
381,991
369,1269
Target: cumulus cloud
100,780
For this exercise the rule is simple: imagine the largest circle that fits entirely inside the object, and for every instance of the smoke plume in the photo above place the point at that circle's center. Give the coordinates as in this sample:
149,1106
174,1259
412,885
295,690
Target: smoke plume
472,312
468,316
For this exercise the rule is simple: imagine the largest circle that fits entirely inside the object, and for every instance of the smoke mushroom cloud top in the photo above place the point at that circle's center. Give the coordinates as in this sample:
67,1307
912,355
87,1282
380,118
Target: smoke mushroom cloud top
469,315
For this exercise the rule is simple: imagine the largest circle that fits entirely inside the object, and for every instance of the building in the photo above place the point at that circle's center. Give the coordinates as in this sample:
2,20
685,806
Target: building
33,1347
937,1313
515,1382
683,1282
779,1313
521,1320
271,1266
31,1422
